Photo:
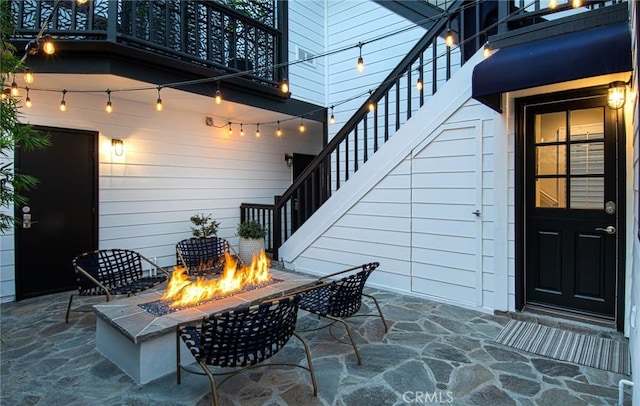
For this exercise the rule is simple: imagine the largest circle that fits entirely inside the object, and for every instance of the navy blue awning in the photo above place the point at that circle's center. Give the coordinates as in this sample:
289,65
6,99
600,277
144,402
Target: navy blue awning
577,55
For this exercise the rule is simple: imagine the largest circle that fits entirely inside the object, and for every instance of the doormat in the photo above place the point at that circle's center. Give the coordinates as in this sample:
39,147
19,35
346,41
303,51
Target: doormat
597,352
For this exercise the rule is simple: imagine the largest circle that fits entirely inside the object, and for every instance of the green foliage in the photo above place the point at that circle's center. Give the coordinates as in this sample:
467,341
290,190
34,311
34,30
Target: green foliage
13,134
204,226
251,229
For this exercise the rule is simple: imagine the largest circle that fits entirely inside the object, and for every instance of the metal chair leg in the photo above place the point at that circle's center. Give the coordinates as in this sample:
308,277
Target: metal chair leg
353,342
66,318
386,329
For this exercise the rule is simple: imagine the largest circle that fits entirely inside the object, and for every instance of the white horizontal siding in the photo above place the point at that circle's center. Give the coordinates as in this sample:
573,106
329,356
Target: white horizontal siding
173,167
307,32
411,207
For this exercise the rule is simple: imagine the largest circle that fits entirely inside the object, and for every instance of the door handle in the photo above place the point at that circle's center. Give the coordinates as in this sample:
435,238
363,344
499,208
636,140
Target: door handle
607,229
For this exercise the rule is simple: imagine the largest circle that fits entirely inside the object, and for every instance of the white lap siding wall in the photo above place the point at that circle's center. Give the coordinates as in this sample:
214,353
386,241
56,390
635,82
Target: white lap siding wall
411,207
174,166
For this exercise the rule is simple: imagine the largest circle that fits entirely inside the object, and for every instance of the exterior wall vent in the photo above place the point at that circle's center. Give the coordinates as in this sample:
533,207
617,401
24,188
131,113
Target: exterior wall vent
307,56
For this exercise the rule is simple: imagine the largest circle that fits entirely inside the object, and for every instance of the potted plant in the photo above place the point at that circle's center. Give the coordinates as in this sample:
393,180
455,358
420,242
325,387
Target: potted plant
203,226
251,233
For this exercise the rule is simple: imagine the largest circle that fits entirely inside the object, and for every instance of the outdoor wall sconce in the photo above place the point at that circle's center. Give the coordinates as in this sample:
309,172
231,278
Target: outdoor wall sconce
616,94
288,158
117,146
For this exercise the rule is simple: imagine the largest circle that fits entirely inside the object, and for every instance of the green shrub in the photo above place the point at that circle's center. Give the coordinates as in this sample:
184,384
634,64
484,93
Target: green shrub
204,226
251,229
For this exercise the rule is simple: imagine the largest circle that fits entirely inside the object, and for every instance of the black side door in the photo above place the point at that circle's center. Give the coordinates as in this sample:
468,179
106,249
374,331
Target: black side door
60,219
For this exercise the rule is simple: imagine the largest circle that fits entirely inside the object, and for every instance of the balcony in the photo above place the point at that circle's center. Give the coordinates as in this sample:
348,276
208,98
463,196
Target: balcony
191,40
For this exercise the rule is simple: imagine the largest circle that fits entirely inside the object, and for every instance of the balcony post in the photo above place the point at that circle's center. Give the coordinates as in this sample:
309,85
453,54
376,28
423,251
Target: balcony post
277,228
112,20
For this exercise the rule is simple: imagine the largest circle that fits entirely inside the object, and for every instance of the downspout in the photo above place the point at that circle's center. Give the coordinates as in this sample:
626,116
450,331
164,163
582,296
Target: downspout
621,384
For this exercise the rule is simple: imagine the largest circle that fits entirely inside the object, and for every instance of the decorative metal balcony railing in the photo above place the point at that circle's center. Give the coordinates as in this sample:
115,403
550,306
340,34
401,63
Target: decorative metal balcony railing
395,101
200,32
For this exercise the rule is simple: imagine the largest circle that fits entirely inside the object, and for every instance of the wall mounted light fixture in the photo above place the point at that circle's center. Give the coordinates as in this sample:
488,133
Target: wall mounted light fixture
288,158
117,146
616,94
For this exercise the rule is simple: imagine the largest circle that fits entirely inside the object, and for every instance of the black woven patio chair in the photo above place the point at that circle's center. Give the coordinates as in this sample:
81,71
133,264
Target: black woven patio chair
205,255
340,299
241,338
113,272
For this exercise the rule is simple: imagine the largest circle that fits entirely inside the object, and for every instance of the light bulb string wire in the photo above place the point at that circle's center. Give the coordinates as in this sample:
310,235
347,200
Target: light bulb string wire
368,92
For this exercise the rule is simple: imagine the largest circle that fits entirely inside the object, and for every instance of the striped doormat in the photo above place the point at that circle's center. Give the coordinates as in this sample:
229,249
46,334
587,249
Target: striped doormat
597,352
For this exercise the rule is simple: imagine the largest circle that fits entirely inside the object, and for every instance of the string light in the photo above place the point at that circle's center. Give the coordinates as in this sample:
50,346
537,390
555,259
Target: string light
486,51
28,75
278,130
284,84
218,95
258,130
241,130
47,45
419,83
159,101
109,107
63,103
576,3
27,100
14,87
82,1
553,4
449,39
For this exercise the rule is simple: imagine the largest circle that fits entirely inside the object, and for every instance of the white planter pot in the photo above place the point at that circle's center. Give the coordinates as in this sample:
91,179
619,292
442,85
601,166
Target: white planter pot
249,248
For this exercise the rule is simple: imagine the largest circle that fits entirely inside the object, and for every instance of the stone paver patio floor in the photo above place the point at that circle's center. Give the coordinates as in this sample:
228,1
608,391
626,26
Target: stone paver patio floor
433,353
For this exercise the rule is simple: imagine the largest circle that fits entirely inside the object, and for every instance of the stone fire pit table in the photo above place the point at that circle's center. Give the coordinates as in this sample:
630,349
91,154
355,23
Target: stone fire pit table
144,345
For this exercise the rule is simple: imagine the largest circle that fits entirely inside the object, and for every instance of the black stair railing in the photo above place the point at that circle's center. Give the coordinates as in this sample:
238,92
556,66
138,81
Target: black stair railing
395,100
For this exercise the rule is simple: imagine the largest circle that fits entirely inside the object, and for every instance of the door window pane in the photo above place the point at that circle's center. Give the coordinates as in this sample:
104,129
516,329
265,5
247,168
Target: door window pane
587,159
551,127
550,160
587,193
551,193
587,124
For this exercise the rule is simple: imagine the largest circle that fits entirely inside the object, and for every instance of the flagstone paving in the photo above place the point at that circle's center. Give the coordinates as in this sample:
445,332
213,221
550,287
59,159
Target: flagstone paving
434,353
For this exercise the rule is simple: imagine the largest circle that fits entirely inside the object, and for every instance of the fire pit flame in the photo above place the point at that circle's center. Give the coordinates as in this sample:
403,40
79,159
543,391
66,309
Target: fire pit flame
182,291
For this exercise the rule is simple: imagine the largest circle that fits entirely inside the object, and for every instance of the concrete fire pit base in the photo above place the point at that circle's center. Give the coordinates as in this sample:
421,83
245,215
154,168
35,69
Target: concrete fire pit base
144,345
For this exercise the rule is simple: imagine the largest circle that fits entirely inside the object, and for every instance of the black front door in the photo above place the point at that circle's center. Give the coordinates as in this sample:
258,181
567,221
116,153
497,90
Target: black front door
60,218
573,206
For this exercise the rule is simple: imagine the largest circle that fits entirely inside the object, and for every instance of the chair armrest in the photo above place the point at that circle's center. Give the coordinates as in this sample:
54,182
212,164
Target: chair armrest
372,264
94,280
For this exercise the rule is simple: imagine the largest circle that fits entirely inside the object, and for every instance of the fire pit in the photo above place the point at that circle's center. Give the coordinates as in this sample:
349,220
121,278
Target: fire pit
184,292
143,344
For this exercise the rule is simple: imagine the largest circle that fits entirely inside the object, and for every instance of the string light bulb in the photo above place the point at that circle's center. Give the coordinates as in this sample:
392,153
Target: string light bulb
332,119
449,39
360,64
218,95
47,45
278,130
28,75
284,86
419,84
576,3
553,4
486,51
109,106
14,87
27,100
82,1
372,105
258,130
63,103
241,130
230,129
159,101
302,127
